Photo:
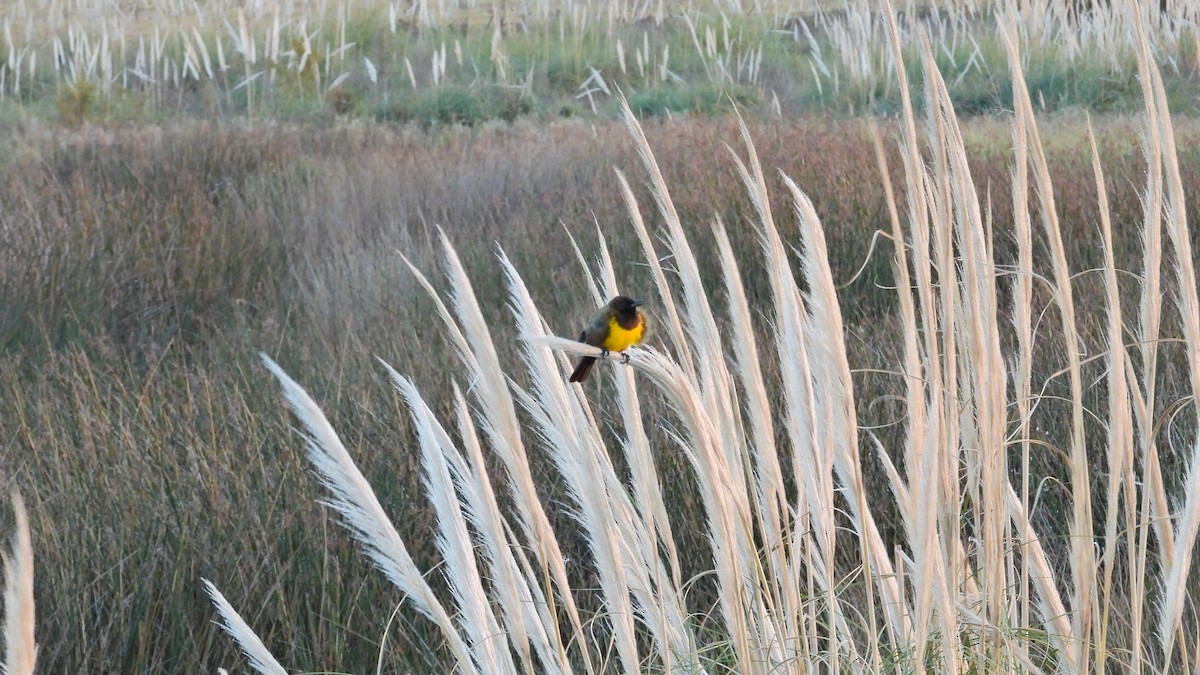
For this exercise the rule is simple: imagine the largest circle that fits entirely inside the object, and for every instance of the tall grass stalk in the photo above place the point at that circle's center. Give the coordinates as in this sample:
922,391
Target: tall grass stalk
979,574
20,648
1175,216
1082,558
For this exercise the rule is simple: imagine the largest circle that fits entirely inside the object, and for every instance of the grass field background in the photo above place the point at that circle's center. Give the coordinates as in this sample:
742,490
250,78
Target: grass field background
469,62
155,236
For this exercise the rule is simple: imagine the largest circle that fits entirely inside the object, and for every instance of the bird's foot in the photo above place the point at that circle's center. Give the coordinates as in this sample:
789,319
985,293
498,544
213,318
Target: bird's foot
604,353
625,358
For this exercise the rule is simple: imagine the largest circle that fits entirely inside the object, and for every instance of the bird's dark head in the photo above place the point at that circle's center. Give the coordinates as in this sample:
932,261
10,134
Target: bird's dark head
624,305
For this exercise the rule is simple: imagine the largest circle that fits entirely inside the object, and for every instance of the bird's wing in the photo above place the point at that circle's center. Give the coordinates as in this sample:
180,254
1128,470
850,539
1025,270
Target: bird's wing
596,332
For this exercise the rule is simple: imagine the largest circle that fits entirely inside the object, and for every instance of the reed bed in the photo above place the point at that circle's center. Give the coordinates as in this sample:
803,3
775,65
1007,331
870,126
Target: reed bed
986,571
405,60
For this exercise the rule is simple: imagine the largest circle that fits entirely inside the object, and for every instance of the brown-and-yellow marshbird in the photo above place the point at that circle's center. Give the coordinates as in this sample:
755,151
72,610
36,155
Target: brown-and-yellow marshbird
614,327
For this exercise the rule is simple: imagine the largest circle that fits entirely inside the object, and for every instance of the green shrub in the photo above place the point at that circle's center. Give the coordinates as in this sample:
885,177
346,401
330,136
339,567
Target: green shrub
76,103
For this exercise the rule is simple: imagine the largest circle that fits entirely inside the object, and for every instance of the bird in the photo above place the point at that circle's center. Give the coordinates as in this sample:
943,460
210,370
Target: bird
614,327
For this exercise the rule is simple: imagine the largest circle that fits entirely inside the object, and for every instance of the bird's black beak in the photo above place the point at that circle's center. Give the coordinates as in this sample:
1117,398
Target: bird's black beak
638,303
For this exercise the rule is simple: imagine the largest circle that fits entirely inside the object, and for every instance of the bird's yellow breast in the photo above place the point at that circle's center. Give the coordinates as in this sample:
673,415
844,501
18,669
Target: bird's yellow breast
619,339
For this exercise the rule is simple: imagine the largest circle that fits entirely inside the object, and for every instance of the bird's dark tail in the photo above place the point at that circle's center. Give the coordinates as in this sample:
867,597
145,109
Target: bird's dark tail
583,369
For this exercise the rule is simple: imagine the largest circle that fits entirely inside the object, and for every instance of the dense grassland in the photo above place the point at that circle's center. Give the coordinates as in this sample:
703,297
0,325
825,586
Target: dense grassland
131,377
467,62
157,233
146,267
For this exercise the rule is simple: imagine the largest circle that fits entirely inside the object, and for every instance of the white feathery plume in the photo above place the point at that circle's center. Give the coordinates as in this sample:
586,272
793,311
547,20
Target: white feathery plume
1150,305
521,598
711,472
838,398
20,648
654,583
915,500
478,354
773,512
949,449
1076,656
931,435
1120,429
814,532
579,456
1022,319
643,469
702,335
233,624
488,644
715,386
364,516
576,446
985,375
674,324
1188,302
